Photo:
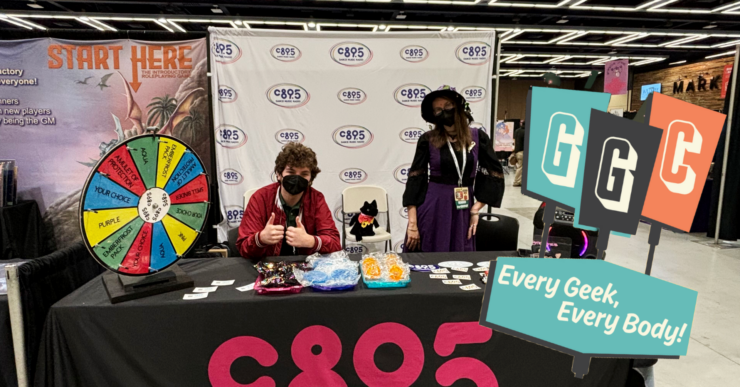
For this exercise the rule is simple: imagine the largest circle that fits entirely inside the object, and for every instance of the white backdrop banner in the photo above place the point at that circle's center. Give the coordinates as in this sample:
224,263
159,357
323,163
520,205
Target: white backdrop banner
354,98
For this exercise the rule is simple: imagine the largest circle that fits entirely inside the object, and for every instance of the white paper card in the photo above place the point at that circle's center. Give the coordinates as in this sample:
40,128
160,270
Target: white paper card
461,277
246,287
438,276
205,290
194,296
222,283
470,287
452,282
480,269
441,271
460,269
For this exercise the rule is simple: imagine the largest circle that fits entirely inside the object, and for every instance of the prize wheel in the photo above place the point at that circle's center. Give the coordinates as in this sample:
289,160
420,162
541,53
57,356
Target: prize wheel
144,205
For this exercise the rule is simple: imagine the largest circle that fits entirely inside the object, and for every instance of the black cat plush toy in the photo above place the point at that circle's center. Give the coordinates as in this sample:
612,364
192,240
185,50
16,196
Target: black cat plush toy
362,224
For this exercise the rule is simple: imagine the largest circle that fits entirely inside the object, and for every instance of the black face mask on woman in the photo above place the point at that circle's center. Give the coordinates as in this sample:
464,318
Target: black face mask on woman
447,117
294,184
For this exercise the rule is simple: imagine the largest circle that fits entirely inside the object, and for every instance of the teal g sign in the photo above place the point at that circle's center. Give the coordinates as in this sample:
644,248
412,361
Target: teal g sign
588,308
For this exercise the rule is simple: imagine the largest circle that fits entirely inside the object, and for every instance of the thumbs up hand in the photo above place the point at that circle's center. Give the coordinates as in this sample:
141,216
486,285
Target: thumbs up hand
272,233
298,237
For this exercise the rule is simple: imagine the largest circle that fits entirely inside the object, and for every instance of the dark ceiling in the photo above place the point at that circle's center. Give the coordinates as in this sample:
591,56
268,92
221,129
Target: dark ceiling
572,36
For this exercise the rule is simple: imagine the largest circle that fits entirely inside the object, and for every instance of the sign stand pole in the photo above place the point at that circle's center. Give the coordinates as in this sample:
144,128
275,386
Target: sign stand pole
653,240
547,219
727,144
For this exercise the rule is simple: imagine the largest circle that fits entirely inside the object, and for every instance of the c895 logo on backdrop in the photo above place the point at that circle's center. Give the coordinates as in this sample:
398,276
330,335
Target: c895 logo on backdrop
401,174
411,94
231,176
474,93
234,215
288,95
414,54
338,215
404,212
285,136
286,53
226,94
352,136
225,51
353,175
473,53
352,96
411,135
351,54
229,136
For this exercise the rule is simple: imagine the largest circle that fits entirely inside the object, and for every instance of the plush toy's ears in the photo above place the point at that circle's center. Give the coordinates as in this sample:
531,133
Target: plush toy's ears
366,204
374,203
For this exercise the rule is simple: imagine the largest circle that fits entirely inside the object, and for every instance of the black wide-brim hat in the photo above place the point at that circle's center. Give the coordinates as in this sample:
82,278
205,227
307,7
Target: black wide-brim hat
427,110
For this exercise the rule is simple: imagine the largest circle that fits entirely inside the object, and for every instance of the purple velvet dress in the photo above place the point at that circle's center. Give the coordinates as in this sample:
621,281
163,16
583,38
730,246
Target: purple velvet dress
432,180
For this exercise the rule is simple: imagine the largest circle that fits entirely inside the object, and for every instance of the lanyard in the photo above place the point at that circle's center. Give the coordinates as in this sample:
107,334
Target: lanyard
457,166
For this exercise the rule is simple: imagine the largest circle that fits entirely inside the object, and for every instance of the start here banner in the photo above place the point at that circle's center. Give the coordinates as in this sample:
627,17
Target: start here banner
64,104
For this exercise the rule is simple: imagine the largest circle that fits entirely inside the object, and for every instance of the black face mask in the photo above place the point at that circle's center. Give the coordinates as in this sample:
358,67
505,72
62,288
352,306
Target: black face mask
294,184
447,117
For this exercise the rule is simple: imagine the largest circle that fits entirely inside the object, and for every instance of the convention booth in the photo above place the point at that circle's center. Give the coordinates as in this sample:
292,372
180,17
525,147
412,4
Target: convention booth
139,157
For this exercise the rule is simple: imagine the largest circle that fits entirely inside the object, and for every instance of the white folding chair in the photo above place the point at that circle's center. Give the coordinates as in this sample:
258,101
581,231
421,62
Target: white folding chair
248,195
353,198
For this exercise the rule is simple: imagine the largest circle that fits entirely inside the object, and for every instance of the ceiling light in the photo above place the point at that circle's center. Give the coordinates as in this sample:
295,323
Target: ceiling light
238,22
724,7
709,26
675,63
311,24
450,28
401,17
722,54
562,21
34,5
163,20
84,18
217,10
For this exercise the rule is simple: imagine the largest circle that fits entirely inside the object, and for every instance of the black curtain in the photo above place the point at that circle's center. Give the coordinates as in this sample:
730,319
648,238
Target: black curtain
729,226
46,280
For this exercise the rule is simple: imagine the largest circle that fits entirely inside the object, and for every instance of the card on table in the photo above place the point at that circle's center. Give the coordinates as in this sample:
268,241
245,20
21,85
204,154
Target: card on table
452,282
194,296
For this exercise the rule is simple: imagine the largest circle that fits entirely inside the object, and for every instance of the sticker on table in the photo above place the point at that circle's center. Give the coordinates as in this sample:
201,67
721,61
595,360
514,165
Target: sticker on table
423,268
441,271
453,264
196,296
438,276
222,283
205,289
246,287
452,282
130,223
483,264
460,269
461,277
480,268
470,287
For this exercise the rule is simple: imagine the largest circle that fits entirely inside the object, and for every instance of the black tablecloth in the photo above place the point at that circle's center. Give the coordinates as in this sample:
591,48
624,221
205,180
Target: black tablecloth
7,361
8,376
167,341
21,231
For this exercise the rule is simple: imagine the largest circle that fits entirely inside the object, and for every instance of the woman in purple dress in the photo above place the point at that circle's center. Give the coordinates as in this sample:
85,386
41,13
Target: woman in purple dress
452,165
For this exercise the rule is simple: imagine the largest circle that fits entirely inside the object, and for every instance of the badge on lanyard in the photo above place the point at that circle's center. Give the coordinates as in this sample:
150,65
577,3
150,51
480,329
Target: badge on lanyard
461,193
461,198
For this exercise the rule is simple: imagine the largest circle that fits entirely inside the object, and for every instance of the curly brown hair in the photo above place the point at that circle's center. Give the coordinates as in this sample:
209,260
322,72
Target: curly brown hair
297,156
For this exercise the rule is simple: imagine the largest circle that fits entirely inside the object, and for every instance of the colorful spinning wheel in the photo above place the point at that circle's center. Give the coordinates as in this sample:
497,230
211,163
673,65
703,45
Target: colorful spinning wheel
144,205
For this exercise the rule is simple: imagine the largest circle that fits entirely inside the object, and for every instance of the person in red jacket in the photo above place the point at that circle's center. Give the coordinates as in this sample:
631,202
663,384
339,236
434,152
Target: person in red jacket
289,217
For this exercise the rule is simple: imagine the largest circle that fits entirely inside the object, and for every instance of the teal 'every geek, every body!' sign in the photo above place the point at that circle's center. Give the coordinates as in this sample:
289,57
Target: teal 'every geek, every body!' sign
588,308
